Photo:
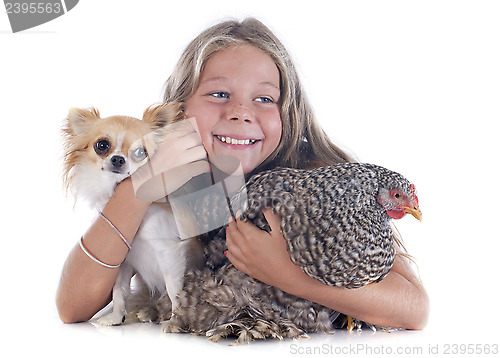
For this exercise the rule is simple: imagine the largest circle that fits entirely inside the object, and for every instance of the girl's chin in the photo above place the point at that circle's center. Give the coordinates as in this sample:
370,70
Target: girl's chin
232,164
246,158
246,165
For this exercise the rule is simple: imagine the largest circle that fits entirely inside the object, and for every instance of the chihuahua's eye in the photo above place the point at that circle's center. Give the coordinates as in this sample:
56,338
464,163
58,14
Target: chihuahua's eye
102,146
139,154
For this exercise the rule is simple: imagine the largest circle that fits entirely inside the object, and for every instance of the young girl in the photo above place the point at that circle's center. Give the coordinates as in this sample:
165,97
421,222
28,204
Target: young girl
238,82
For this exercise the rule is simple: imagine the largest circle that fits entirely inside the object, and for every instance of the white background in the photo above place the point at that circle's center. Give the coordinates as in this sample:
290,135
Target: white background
413,86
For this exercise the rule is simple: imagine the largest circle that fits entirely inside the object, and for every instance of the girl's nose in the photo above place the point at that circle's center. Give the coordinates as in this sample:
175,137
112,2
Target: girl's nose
240,112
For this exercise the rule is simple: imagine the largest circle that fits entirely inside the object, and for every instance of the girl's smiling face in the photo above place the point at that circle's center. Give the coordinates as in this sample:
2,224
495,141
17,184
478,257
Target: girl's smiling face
237,105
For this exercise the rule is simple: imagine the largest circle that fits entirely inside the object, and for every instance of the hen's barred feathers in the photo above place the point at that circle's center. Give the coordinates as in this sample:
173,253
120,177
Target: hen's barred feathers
336,230
227,302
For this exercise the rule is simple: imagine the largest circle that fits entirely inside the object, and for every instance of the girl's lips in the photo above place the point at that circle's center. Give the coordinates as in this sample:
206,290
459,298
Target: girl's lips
236,141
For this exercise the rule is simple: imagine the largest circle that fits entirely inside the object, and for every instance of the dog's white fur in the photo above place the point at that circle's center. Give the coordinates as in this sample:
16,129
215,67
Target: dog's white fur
158,255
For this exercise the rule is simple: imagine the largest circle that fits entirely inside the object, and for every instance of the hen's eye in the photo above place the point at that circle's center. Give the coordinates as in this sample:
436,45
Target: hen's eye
139,154
397,196
102,146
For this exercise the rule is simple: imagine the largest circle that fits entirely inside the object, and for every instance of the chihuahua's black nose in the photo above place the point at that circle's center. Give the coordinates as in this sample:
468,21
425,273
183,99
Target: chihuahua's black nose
117,161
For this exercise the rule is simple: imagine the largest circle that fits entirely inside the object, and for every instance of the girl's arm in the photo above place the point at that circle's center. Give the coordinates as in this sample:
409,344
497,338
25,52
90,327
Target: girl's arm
399,300
85,286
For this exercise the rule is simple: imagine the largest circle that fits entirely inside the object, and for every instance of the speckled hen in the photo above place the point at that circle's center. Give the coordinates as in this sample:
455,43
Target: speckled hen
336,219
336,222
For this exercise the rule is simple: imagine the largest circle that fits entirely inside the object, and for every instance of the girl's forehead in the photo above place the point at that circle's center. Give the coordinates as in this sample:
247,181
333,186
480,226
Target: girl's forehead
241,60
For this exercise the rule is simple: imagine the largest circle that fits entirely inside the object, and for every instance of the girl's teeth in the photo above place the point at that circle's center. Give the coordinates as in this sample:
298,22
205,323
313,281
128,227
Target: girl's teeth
236,141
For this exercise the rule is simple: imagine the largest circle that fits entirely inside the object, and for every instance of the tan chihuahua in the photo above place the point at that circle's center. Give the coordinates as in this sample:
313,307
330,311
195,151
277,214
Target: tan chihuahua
100,153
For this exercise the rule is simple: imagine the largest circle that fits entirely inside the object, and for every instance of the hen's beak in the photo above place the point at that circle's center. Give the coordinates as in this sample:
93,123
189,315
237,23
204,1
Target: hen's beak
415,211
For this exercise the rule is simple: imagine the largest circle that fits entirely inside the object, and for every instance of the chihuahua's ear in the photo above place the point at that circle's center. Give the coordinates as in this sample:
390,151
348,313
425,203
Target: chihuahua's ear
79,118
163,114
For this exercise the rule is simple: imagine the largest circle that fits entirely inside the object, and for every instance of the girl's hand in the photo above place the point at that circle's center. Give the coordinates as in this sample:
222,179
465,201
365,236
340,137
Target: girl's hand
260,254
180,157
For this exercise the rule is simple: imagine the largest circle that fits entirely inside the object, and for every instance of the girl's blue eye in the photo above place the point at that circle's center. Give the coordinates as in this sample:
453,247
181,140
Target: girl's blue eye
264,100
219,94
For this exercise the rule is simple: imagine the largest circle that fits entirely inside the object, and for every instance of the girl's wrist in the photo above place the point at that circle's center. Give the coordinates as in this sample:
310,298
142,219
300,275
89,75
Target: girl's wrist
298,283
128,191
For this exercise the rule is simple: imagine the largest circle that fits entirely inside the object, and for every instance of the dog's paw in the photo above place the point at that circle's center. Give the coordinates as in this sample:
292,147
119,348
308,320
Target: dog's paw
112,319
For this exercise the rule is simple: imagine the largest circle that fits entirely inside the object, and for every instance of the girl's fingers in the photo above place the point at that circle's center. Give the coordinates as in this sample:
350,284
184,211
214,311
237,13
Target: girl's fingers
192,155
233,236
191,140
193,123
273,220
179,158
248,228
180,141
179,129
235,261
243,236
165,183
173,153
175,178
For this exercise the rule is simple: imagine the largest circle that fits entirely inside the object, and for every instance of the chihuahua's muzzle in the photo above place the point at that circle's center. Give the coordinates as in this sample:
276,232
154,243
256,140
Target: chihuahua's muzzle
117,161
117,164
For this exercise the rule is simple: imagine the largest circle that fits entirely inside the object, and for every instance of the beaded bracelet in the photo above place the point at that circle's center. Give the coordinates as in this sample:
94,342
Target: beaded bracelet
94,258
116,229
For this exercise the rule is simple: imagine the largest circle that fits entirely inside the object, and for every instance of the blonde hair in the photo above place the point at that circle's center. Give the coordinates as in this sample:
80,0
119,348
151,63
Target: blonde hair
303,143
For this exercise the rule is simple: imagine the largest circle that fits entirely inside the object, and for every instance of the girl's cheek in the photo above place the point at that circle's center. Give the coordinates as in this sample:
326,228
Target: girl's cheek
193,106
275,129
